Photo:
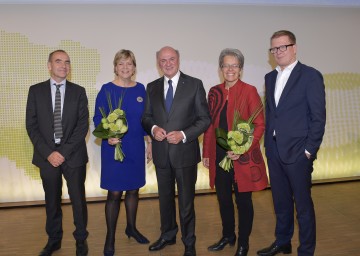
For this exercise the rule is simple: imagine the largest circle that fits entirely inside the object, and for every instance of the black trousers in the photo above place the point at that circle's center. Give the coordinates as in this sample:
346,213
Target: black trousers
52,184
225,185
185,179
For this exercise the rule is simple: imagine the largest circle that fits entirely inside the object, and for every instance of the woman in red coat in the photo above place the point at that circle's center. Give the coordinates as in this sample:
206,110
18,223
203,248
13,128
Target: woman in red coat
248,173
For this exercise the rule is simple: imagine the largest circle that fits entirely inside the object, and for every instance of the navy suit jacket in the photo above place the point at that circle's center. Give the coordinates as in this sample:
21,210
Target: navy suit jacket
189,113
40,124
299,119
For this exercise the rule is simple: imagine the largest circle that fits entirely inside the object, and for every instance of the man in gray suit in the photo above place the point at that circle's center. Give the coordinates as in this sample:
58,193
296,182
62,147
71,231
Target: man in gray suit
176,114
57,121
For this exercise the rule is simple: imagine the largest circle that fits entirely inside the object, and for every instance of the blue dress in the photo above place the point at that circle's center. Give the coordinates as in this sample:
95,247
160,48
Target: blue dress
129,174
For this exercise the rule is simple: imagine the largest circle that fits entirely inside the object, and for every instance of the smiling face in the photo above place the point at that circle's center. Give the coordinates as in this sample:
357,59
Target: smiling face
230,69
168,61
125,68
59,66
285,58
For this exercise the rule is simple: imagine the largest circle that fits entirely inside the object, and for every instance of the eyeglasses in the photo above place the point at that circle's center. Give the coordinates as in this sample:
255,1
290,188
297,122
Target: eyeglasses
281,48
227,66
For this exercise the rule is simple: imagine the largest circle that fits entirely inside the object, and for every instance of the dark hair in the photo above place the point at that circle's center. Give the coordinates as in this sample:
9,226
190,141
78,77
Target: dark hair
52,53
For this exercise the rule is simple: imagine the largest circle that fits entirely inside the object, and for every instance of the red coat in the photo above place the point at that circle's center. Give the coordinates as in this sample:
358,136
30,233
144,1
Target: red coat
249,169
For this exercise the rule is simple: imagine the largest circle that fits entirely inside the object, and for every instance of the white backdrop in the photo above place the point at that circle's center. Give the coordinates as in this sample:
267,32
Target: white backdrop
328,40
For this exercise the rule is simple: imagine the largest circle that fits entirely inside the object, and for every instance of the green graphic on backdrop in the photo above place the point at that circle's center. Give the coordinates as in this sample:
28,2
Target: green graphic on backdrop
23,64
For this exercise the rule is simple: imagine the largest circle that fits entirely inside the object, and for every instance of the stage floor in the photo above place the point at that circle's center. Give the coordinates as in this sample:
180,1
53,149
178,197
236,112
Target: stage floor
337,208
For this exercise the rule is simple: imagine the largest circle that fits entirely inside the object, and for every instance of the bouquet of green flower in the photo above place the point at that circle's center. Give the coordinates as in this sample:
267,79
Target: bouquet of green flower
239,139
113,125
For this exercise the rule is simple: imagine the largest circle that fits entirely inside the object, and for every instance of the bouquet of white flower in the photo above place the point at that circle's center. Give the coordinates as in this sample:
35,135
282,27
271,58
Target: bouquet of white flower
113,125
239,139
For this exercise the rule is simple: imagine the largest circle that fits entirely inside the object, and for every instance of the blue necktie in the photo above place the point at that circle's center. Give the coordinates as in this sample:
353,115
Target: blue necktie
169,97
57,113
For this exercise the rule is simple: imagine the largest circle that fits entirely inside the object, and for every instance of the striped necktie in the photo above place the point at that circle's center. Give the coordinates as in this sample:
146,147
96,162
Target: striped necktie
57,113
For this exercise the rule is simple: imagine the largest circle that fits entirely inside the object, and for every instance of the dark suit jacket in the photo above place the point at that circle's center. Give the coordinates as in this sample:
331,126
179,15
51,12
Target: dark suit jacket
40,124
189,113
299,119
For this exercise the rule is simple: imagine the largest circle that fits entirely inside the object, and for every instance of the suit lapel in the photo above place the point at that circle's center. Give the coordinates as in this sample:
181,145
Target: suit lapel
67,108
179,91
272,83
158,93
48,100
290,83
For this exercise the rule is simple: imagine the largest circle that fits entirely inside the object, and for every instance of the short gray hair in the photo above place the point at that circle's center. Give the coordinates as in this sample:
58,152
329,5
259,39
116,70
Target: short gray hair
232,52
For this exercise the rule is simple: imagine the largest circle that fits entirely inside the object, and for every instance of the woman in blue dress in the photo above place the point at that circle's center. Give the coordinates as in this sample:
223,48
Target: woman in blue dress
127,175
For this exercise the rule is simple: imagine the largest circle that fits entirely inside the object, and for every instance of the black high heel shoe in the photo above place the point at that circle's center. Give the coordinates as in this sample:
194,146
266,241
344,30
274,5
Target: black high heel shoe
136,235
109,247
109,253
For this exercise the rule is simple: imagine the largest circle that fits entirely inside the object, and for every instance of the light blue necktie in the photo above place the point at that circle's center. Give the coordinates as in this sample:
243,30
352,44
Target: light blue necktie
169,97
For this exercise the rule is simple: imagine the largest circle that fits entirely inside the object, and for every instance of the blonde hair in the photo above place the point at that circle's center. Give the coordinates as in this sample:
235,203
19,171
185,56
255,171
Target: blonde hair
123,54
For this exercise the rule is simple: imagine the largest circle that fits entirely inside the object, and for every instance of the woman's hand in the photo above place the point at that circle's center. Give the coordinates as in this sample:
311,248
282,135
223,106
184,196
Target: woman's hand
206,162
114,141
148,152
232,155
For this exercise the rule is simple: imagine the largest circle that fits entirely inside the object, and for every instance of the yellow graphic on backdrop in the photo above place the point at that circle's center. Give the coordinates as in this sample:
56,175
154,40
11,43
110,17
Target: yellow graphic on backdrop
23,64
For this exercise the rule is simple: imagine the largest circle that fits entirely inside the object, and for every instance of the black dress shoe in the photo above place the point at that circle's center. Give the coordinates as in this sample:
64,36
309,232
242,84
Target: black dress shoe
190,251
275,249
161,243
49,248
222,243
136,235
242,250
82,248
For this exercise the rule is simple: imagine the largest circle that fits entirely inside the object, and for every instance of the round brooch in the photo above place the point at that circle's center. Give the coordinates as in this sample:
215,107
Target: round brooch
140,99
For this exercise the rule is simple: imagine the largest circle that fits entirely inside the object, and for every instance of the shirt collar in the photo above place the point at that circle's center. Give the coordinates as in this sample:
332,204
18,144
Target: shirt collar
175,78
288,68
52,82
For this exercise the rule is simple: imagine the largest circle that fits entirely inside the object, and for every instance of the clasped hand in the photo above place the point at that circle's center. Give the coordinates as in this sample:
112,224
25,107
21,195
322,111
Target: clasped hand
55,159
173,137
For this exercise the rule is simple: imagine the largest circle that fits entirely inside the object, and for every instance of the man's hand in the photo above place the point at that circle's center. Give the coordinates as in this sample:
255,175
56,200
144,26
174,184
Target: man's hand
174,137
159,133
55,159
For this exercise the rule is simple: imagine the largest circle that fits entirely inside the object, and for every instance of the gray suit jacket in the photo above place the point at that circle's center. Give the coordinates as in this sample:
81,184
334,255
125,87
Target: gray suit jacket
189,113
40,124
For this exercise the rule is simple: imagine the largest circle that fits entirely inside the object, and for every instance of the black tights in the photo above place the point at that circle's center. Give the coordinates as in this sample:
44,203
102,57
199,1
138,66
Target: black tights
112,209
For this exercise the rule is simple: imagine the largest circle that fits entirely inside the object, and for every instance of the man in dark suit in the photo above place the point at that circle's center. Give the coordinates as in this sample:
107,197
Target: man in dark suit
60,148
295,125
176,114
